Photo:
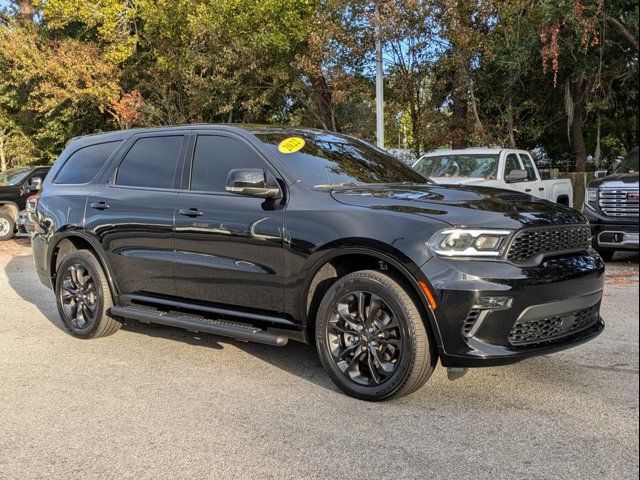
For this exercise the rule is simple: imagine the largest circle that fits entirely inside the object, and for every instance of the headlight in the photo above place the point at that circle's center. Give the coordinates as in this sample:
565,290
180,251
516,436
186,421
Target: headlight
592,195
462,242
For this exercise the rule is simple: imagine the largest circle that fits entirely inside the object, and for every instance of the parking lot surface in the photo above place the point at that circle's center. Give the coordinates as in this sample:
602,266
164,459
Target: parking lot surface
157,402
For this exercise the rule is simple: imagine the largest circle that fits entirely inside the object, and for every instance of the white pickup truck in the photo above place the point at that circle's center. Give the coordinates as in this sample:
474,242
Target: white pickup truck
493,167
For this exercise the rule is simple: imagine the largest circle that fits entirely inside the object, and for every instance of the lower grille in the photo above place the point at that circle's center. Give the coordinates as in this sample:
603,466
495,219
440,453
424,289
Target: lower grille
530,242
530,332
619,202
470,321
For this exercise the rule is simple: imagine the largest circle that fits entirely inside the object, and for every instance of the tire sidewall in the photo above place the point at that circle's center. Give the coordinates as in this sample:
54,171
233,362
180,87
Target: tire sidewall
325,312
84,260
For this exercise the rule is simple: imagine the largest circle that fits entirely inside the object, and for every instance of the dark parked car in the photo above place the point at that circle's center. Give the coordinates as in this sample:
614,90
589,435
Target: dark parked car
16,185
271,234
611,206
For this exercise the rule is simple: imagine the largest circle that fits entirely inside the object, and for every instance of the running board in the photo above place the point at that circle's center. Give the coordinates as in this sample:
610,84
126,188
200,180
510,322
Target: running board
195,323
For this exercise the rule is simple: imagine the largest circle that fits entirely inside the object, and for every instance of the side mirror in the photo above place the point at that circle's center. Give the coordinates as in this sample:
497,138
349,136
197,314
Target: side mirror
600,174
35,184
251,182
516,176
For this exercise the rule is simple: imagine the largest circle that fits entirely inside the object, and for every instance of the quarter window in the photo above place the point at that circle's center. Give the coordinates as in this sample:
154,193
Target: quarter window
214,157
150,163
84,164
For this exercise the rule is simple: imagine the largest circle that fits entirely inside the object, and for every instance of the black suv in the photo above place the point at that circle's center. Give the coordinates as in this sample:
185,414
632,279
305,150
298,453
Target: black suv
611,206
16,185
269,234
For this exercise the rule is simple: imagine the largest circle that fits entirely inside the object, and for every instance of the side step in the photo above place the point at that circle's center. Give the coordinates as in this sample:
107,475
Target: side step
224,328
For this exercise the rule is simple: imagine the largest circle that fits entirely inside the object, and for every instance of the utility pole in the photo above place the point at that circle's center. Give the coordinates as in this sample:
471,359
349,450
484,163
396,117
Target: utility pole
379,82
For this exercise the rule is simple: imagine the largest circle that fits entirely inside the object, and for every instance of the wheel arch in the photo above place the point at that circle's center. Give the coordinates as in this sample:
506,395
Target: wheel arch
337,261
79,240
11,208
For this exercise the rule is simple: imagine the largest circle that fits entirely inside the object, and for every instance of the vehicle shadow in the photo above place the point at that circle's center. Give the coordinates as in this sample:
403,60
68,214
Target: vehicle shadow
295,358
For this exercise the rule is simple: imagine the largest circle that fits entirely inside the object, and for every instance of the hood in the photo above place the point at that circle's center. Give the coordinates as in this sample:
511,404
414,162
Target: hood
621,180
461,206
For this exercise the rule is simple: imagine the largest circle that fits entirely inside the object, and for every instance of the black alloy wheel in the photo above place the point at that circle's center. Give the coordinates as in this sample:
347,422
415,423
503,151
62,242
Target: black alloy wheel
364,338
371,337
78,296
83,296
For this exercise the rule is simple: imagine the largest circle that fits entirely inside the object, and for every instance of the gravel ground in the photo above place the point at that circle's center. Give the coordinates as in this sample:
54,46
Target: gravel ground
156,402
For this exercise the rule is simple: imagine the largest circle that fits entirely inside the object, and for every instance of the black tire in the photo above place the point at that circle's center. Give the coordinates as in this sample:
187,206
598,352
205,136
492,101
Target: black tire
607,255
88,290
409,367
7,226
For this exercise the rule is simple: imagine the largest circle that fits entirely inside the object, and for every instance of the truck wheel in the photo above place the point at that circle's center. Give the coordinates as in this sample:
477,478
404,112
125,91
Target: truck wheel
607,255
7,226
83,296
371,338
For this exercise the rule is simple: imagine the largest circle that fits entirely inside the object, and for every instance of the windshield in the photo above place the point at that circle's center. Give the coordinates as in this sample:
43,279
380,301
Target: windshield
630,163
474,166
327,159
13,176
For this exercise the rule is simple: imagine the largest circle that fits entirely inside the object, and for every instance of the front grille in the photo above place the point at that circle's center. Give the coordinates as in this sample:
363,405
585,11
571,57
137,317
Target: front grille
528,332
621,202
529,243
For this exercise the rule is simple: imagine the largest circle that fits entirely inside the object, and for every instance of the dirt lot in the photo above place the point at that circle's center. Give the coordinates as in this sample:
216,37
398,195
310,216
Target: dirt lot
156,402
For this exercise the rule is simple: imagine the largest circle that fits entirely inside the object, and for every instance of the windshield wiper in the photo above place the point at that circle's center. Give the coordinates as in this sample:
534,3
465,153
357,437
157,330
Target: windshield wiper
334,185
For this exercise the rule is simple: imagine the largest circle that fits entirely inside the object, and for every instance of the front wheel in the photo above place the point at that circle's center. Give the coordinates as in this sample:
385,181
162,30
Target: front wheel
7,226
371,338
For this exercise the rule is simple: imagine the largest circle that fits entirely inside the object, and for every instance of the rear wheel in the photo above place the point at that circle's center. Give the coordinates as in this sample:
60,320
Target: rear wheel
371,338
84,297
7,226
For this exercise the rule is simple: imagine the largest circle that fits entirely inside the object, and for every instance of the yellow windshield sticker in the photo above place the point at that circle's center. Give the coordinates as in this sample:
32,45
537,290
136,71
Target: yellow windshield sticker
291,145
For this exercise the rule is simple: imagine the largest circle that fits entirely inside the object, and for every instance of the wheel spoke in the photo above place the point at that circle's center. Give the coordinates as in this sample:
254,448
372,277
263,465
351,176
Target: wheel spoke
73,275
391,341
375,376
386,367
347,351
374,309
362,309
345,315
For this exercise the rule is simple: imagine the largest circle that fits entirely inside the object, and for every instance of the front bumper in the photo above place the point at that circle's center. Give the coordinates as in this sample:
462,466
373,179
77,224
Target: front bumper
550,307
613,233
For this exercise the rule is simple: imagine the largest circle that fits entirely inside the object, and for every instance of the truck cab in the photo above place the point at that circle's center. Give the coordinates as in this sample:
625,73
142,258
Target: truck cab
509,169
611,206
16,185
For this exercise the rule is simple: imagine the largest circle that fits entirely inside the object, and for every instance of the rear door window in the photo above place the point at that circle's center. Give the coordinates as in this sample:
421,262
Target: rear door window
84,164
214,156
150,163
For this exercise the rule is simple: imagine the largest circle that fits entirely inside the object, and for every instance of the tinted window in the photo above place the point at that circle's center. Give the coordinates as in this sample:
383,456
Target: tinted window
512,163
151,162
325,159
458,165
84,164
528,166
214,156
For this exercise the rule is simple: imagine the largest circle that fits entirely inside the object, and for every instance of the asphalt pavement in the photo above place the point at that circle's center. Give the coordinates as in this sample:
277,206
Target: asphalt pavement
157,402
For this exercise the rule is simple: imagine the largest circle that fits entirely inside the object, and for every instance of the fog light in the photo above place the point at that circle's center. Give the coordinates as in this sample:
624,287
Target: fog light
493,303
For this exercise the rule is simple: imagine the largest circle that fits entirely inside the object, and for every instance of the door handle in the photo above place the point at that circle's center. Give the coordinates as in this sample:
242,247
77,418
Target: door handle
541,189
100,205
190,212
527,190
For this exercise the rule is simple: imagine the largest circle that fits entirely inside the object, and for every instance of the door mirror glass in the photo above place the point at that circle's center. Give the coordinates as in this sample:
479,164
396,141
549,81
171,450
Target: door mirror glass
516,176
251,182
35,184
600,174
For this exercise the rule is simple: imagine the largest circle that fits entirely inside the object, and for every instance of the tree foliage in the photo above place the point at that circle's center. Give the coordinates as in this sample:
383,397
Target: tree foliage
557,75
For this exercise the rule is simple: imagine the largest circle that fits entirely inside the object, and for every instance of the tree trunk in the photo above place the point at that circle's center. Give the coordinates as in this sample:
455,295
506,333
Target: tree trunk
26,10
323,100
576,134
3,160
510,125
